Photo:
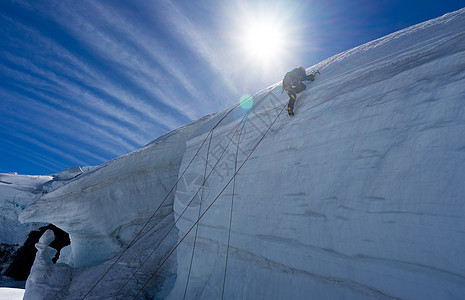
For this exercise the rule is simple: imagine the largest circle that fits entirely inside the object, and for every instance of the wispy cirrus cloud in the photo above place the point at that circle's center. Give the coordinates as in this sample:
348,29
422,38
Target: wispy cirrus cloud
183,28
88,80
151,70
96,68
25,122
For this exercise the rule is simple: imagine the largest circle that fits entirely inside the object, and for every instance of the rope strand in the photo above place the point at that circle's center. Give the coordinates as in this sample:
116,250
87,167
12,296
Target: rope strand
187,206
213,202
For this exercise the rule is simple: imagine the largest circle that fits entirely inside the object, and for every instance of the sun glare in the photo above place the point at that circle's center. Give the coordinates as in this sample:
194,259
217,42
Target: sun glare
262,41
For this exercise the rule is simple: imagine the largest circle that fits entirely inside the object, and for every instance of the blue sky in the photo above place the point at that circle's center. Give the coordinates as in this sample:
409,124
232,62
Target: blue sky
83,82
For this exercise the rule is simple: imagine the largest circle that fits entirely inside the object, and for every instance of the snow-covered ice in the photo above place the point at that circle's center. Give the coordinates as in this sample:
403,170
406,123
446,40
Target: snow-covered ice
359,196
11,294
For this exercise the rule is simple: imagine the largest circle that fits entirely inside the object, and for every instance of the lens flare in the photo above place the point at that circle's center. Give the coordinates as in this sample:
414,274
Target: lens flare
246,102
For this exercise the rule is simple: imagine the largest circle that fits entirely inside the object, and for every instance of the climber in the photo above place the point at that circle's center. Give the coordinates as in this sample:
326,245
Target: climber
292,84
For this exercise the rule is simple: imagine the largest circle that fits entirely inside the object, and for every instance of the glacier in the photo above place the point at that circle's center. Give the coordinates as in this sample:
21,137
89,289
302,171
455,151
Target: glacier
17,192
359,196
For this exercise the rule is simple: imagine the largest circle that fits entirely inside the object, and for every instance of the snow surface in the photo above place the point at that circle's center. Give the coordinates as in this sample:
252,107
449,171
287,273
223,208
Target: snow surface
11,294
359,196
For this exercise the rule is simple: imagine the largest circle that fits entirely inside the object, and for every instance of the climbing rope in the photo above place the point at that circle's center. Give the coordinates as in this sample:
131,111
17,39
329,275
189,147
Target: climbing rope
196,224
232,203
136,238
231,214
171,227
201,187
140,235
235,168
211,204
200,210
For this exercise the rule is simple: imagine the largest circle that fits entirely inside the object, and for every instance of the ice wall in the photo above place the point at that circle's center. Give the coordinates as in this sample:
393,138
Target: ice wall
103,209
359,196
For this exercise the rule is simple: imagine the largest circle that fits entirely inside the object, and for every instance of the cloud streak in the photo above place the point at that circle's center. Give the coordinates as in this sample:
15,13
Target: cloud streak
86,79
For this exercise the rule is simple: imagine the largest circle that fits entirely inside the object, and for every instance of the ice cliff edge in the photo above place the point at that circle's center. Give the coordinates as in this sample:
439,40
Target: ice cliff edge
102,209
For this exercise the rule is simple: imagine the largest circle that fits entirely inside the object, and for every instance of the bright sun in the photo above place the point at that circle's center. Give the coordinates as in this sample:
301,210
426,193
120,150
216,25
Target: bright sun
262,40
